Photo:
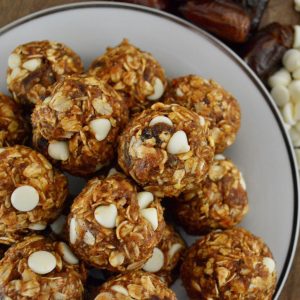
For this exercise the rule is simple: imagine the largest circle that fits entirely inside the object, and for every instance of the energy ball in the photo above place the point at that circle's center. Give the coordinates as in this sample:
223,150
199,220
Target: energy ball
37,268
166,149
229,265
136,74
218,202
14,129
34,67
208,99
166,256
135,285
77,126
32,193
112,226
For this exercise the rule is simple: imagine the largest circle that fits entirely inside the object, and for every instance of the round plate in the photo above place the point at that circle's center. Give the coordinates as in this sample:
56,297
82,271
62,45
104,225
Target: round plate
262,150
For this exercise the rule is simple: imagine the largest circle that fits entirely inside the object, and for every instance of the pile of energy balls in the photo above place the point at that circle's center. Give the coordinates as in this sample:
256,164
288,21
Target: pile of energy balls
150,151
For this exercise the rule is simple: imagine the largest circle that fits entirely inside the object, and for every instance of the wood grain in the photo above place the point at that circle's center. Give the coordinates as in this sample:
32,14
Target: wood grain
278,10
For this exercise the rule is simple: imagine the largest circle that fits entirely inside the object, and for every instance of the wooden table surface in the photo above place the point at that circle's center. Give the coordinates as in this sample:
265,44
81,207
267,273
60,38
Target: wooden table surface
278,10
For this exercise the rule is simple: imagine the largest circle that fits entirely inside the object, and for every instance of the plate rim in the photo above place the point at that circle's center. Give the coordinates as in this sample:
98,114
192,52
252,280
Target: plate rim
234,57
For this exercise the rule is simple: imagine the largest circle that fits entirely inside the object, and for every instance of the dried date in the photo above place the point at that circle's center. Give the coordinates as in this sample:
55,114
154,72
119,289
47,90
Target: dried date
226,19
264,51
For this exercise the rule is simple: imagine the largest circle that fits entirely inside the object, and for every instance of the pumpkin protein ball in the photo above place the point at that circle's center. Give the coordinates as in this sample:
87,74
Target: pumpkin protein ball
135,74
166,149
37,268
77,126
14,128
34,67
166,256
135,285
32,193
210,100
230,265
112,226
219,202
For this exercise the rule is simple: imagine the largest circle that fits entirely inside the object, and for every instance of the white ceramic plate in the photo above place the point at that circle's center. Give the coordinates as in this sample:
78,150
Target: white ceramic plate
262,151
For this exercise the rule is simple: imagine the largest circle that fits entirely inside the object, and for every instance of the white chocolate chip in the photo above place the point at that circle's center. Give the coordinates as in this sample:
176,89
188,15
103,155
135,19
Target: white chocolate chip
155,262
158,90
42,262
281,77
269,263
174,249
25,198
296,35
291,59
59,150
219,157
112,172
294,89
2,150
280,94
15,73
101,128
58,225
14,61
179,92
32,64
67,254
106,215
144,199
89,238
288,114
150,214
73,232
297,5
59,296
119,289
296,74
178,143
201,121
161,119
37,226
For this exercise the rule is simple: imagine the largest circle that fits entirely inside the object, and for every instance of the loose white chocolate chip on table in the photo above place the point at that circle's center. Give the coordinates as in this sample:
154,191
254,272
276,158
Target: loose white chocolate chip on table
291,59
14,61
32,64
161,119
67,254
59,150
201,120
288,114
150,214
280,94
281,77
155,262
178,143
144,199
88,238
42,262
25,198
101,128
269,263
174,249
73,232
58,225
120,289
294,89
37,226
106,215
158,90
